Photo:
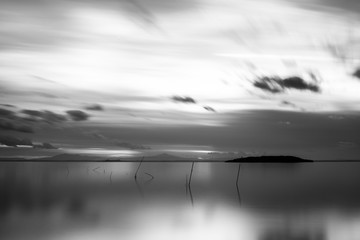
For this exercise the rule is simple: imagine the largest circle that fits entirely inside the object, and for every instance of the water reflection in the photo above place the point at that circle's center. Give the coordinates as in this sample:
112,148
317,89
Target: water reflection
179,201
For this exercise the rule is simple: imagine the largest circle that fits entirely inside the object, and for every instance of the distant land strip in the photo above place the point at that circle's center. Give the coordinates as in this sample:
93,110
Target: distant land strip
245,160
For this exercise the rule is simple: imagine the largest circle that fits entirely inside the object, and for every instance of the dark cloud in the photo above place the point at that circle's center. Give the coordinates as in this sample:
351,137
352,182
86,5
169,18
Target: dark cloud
53,117
132,146
210,109
33,113
14,142
357,73
183,99
77,115
95,107
6,113
9,125
47,116
276,84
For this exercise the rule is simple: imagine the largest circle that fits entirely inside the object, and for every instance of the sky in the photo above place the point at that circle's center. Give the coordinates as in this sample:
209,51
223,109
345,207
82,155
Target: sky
200,78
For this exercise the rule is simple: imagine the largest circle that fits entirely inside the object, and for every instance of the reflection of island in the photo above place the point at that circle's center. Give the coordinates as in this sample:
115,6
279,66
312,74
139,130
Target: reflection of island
270,159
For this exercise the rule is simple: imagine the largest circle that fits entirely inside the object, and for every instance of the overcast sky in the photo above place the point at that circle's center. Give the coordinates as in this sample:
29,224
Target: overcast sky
147,76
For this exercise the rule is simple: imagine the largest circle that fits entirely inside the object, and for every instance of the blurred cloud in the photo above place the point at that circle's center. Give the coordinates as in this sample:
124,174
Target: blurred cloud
183,99
279,85
292,105
9,125
357,73
77,115
132,146
14,141
6,113
210,109
94,107
8,105
45,145
45,115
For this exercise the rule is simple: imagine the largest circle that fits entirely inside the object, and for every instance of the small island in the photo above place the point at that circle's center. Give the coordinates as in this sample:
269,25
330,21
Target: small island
270,159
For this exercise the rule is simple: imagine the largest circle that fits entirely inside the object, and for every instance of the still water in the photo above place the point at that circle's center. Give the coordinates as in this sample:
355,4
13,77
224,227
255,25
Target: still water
76,201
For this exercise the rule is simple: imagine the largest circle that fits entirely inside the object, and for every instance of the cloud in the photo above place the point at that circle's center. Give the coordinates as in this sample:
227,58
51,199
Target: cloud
45,145
210,109
8,125
33,113
77,115
45,115
95,107
8,105
131,146
276,84
357,73
6,113
14,142
292,105
117,142
183,99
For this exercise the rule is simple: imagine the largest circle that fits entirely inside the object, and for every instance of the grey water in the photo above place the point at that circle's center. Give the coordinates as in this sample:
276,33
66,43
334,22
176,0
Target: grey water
75,201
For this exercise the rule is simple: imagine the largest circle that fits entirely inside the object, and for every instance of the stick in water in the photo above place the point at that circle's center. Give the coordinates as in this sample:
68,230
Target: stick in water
135,176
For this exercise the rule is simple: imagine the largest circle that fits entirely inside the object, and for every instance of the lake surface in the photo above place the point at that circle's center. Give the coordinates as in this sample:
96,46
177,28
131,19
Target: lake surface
75,201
